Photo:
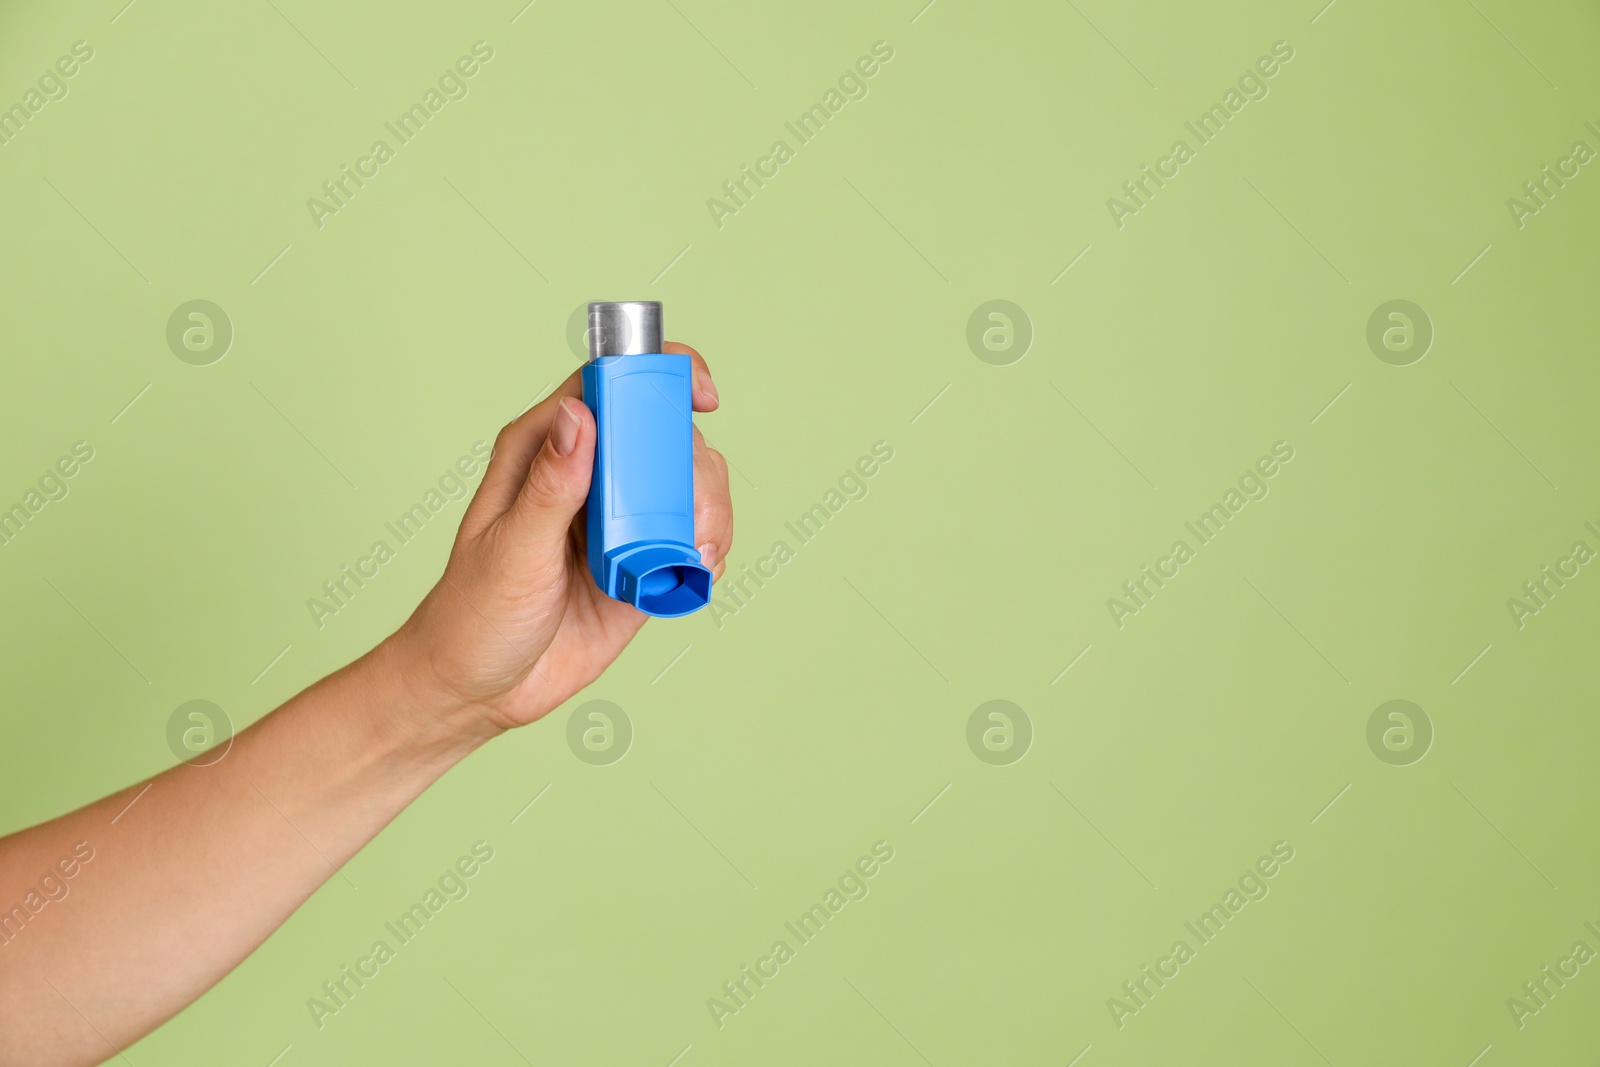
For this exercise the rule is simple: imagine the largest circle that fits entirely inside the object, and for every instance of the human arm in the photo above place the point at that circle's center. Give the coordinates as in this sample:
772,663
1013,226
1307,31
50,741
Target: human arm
202,863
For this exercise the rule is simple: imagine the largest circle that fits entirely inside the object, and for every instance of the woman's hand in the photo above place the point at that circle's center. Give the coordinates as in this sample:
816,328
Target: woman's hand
517,625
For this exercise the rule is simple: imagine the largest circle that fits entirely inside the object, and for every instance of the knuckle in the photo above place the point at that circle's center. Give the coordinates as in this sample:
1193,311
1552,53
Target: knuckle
503,438
544,486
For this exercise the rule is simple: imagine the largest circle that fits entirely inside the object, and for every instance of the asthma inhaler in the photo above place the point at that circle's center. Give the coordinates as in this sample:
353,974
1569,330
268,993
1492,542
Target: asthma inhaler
641,501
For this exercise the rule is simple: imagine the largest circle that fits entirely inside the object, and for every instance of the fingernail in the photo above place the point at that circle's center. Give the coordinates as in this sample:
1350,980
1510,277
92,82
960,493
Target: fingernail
708,554
708,387
564,434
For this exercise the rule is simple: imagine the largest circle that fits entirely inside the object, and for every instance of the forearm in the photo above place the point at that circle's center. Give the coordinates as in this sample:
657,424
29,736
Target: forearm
202,863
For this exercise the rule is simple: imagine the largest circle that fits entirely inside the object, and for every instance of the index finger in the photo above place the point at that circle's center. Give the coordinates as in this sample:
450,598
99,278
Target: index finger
705,390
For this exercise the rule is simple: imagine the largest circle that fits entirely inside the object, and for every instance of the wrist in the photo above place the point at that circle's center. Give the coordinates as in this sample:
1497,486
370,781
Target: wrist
364,741
412,712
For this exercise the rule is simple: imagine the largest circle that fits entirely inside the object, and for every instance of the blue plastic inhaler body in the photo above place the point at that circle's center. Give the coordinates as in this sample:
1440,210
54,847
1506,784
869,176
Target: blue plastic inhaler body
641,500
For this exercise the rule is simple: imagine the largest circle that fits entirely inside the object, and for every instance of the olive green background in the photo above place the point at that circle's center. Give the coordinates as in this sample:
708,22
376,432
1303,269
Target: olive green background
772,750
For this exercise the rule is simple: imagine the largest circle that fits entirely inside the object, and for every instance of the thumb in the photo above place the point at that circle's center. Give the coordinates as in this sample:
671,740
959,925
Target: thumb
557,483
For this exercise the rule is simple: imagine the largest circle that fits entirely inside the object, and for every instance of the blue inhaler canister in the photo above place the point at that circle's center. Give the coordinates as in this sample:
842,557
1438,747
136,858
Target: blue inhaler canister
641,501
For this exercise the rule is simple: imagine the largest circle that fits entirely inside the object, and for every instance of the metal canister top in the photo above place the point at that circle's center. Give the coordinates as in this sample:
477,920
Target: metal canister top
625,328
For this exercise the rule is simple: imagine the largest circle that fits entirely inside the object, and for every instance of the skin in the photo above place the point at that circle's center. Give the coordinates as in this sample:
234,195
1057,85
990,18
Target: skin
209,861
